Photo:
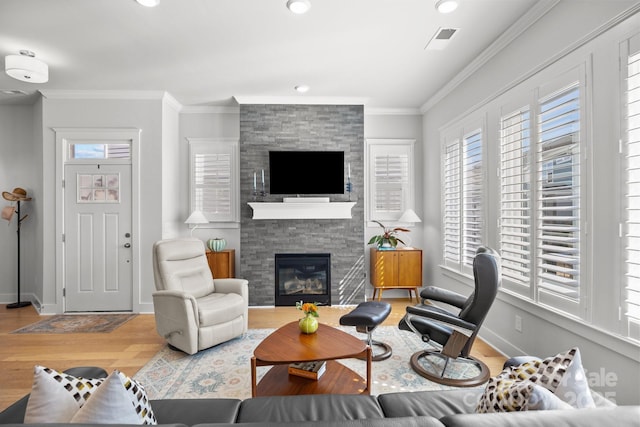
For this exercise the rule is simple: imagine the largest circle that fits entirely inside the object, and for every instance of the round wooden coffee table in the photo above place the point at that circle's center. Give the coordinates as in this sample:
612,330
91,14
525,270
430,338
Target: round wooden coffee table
288,345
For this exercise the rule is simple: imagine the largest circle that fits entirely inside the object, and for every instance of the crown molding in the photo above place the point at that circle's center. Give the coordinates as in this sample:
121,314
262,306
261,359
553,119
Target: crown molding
392,111
171,102
105,94
536,12
571,48
300,100
210,109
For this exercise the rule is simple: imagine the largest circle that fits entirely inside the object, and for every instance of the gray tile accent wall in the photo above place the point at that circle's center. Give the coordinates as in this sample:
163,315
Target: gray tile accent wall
296,127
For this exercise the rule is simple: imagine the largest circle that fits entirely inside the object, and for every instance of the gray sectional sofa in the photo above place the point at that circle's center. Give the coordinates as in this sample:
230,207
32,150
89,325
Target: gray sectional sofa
425,408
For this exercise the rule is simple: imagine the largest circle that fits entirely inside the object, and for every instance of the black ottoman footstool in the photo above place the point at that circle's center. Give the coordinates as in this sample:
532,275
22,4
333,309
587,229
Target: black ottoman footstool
366,317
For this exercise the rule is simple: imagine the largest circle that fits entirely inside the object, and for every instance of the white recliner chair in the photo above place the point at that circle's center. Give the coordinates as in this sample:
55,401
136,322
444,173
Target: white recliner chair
194,311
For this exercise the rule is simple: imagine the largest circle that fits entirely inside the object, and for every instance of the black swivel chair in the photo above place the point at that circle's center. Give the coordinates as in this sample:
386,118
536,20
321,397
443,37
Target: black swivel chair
451,333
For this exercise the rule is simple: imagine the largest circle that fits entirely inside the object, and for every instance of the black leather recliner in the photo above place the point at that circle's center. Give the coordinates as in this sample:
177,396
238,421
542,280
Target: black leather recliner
452,331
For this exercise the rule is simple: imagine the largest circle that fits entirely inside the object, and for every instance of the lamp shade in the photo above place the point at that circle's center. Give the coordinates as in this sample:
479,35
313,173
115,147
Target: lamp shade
409,216
26,67
197,217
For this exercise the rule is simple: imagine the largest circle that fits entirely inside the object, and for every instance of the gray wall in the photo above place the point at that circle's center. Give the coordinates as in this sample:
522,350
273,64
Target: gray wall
297,127
19,167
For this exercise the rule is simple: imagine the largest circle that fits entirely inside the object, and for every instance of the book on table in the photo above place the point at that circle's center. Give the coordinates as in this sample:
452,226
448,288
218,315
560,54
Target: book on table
312,370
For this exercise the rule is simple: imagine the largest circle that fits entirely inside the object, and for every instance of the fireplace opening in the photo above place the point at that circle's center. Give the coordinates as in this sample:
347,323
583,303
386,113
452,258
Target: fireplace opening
303,277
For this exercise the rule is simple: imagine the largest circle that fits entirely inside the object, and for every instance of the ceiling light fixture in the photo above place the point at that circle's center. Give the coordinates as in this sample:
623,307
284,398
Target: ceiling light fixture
302,88
298,6
26,67
149,3
446,6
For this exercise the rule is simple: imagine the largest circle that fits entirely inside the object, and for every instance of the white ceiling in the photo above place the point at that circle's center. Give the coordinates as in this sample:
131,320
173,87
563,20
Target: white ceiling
205,52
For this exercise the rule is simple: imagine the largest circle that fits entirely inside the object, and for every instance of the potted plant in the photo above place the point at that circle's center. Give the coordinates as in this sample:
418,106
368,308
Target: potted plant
388,239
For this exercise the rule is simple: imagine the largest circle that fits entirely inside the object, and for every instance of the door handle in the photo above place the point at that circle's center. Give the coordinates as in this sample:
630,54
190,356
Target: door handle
127,245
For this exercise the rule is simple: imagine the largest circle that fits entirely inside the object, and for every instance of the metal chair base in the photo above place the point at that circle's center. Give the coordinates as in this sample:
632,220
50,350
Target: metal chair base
481,378
385,350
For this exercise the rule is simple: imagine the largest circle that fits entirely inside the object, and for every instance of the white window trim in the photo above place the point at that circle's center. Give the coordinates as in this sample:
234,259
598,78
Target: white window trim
226,145
401,146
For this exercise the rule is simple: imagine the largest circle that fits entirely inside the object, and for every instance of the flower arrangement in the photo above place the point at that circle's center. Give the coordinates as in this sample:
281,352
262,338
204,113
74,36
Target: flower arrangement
308,308
388,237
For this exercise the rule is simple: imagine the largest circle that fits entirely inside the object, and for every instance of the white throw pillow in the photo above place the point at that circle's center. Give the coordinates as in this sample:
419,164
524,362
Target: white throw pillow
564,376
542,399
119,400
56,396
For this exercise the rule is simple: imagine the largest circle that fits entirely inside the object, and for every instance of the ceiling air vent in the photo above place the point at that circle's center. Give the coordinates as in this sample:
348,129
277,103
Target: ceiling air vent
441,38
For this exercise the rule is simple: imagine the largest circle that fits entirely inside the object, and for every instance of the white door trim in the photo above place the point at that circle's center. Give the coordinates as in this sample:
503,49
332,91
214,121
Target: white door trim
63,137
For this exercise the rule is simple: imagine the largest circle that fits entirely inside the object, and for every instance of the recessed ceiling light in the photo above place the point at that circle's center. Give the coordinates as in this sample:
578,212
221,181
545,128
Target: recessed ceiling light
149,3
298,6
446,6
25,67
302,88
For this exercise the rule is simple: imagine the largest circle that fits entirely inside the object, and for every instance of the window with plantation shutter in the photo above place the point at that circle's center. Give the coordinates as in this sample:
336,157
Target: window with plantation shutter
558,198
214,179
390,178
463,195
631,136
515,198
472,205
451,203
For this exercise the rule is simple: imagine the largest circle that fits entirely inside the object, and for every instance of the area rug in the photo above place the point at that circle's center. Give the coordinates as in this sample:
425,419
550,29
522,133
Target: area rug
225,370
76,323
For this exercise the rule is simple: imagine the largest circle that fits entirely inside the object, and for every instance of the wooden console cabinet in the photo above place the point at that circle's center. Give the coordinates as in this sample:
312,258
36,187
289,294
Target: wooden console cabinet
223,263
397,269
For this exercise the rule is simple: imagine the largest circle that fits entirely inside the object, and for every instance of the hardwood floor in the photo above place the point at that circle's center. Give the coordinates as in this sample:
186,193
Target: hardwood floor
130,346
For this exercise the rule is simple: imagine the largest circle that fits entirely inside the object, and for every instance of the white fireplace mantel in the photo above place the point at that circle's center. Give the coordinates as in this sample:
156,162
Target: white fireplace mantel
301,210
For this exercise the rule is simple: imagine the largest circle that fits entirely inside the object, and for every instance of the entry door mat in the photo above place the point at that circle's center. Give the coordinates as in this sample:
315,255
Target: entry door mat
76,324
225,370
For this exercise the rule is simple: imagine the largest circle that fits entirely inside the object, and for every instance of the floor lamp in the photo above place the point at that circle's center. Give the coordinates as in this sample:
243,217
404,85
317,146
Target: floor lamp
18,195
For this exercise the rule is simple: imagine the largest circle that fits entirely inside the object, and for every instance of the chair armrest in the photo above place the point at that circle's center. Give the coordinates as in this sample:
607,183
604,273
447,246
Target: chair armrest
232,286
170,305
443,295
453,322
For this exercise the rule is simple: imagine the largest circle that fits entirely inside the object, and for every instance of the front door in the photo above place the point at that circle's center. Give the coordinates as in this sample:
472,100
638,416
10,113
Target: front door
97,237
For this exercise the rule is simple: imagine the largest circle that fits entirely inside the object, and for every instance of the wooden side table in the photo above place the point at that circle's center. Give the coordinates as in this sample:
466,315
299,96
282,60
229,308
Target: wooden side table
222,264
396,269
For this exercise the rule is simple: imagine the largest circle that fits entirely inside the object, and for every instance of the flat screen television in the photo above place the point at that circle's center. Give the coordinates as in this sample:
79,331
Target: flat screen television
306,172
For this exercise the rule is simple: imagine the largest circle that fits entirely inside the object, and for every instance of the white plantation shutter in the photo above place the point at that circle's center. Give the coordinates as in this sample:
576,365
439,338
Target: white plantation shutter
632,226
472,206
515,198
213,182
391,175
390,178
451,203
558,196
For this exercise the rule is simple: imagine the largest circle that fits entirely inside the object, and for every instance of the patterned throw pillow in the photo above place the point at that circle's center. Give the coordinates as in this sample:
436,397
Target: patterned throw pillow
56,396
505,395
531,385
119,400
564,376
